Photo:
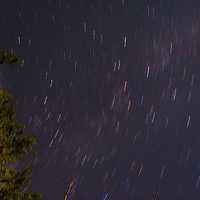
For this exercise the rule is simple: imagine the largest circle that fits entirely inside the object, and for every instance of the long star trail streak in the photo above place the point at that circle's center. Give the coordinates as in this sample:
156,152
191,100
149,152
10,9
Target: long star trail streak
111,90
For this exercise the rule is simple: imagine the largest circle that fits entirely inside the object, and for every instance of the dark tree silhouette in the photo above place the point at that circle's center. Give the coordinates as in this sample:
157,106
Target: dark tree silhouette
15,145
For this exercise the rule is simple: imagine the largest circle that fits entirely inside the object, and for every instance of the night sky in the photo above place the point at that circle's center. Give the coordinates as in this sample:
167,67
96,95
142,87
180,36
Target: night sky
111,90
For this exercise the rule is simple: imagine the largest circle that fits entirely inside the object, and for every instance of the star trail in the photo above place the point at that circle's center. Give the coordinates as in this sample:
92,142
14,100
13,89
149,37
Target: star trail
110,88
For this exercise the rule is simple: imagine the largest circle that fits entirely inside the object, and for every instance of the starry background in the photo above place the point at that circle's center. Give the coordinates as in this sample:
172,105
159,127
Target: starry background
110,88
